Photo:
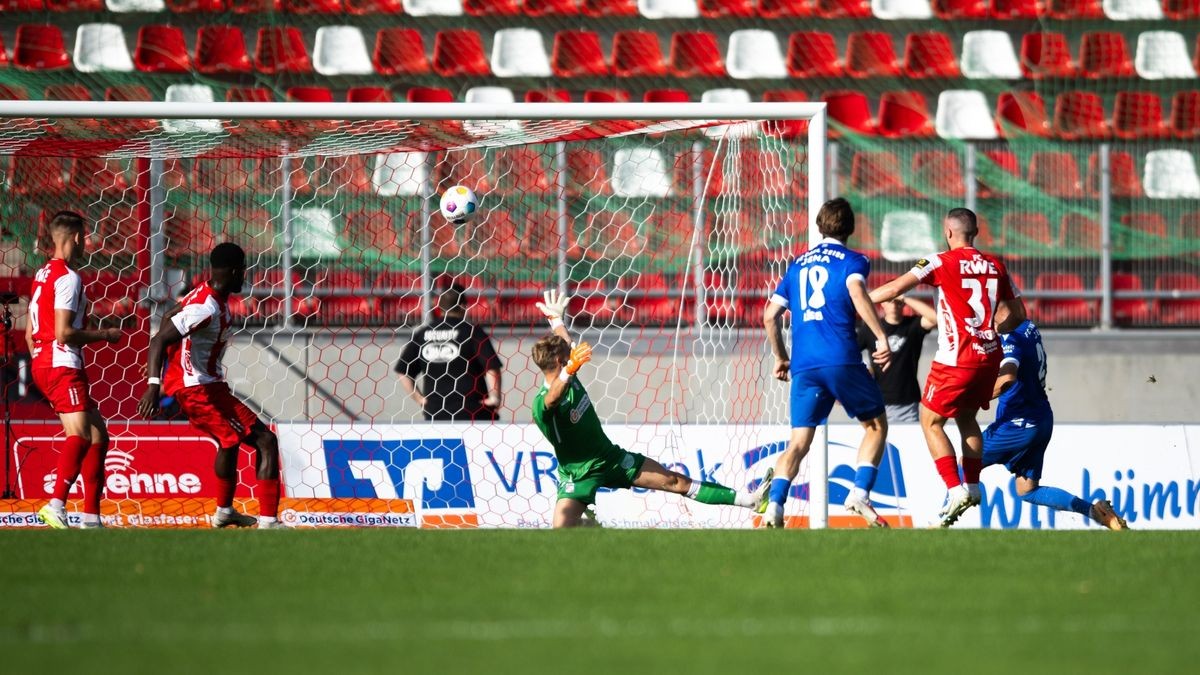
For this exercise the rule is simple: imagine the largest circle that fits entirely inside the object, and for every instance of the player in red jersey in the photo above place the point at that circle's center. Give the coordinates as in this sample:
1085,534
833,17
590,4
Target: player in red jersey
56,332
193,337
976,300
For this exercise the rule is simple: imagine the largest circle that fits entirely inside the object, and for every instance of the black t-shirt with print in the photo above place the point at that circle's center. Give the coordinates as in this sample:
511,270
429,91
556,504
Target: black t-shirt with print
898,383
453,355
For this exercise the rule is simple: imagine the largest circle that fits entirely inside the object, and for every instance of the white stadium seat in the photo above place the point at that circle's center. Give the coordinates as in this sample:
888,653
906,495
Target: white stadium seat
519,52
485,128
1132,10
100,47
964,114
668,9
191,93
989,55
1171,174
1163,55
124,6
341,50
892,10
755,54
401,174
314,234
640,172
906,235
744,130
433,7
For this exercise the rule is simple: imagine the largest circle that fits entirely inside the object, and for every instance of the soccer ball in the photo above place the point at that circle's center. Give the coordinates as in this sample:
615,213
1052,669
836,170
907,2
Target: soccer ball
459,204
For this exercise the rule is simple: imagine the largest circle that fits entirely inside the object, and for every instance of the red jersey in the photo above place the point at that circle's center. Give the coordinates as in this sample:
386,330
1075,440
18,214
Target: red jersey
203,322
55,286
969,284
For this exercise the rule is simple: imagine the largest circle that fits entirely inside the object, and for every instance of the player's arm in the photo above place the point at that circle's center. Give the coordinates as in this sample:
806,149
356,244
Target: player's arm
882,355
1009,314
554,308
168,334
1008,376
773,322
580,354
408,368
493,380
898,286
66,297
924,310
29,333
410,386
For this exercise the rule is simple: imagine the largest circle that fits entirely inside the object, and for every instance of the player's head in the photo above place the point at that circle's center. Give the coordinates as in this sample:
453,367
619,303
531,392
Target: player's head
961,226
228,262
67,234
550,354
453,301
893,310
836,219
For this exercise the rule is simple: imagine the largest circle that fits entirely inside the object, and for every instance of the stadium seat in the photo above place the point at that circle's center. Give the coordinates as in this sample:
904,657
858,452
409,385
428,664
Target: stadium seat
1175,312
577,53
715,9
1133,10
601,8
1056,174
135,6
348,174
640,172
493,95
312,6
1021,113
459,53
904,114
93,176
781,9
899,10
1142,235
1185,114
22,6
996,171
788,129
586,174
190,93
1017,9
400,51
871,54
547,96
1138,114
1189,228
40,47
195,6
1179,10
400,174
668,9
813,54
906,236
221,49
695,54
13,92
281,49
666,96
874,174
939,173
1026,233
929,55
989,55
227,174
128,92
755,54
1045,55
1162,55
636,53
1080,115
521,170
551,7
255,6
843,9
433,7
1123,181
67,92
1079,235
1104,55
689,163
32,175
360,7
1074,9
849,111
493,236
519,52
1128,311
161,49
100,47
1063,310
959,9
341,50
310,94
491,7
605,96
964,114
1170,174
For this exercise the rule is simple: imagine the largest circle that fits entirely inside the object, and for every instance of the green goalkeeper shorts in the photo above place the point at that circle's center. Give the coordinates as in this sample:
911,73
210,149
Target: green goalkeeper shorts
609,474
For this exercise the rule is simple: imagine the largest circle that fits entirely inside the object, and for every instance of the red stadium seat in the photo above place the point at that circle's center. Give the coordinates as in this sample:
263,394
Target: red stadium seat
904,114
95,175
1074,9
996,170
772,172
310,94
929,55
493,236
786,128
875,174
1128,311
605,96
195,6
1079,235
813,54
1185,114
521,170
716,9
67,92
37,175
458,53
1056,174
492,7
281,50
254,6
466,167
1046,55
1105,55
16,6
3,54
75,5
40,47
1080,115
1142,234
368,95
547,96
712,172
1138,114
636,53
666,96
1063,311
1175,312
540,237
1124,181
987,238
597,8
1026,232
12,92
577,53
871,54
586,174
695,54
1180,10
221,49
1021,113
400,51
780,9
313,6
374,231
843,9
849,111
359,7
161,49
349,174
960,9
222,175
1189,227
551,7
938,172
1017,9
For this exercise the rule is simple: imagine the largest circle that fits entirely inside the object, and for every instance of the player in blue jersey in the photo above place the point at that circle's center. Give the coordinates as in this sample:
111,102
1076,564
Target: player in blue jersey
1024,423
825,289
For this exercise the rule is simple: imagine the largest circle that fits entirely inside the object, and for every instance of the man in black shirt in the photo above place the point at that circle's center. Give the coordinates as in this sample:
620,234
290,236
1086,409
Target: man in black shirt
898,384
459,365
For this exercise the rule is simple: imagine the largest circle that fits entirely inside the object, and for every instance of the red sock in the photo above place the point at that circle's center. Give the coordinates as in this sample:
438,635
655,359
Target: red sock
93,477
225,488
947,468
268,497
972,466
69,460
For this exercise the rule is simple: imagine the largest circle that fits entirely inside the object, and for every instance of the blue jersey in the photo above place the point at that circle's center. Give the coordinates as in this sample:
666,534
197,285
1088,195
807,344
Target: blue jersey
1026,398
823,316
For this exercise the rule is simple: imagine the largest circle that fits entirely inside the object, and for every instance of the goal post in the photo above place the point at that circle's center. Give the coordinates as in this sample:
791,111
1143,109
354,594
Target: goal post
668,222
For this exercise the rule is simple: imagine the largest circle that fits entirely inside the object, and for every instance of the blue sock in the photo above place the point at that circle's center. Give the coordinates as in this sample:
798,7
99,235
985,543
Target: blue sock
779,490
1058,499
864,477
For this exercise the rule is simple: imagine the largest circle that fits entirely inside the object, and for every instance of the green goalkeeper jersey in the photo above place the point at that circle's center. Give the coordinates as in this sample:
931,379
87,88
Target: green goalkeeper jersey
573,428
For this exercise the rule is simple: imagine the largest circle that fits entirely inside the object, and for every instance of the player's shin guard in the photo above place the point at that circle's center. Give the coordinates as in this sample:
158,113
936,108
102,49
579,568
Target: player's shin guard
711,493
93,478
70,459
947,468
268,497
779,490
1058,499
864,479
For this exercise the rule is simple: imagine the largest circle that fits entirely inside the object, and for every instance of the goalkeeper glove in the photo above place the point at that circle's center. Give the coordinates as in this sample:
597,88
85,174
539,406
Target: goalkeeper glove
580,355
554,307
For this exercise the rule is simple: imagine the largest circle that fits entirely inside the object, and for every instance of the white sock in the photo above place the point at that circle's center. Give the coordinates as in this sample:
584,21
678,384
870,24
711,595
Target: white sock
225,510
91,517
266,520
58,505
747,499
858,493
693,489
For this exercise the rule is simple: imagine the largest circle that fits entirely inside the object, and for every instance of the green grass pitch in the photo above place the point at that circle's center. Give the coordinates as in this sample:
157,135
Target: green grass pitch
599,601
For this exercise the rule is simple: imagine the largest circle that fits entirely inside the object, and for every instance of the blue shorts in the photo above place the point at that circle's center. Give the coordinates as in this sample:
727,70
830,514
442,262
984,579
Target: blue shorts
1018,445
814,391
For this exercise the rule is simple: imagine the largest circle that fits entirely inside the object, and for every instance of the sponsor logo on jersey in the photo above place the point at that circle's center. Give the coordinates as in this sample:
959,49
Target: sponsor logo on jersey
580,408
977,266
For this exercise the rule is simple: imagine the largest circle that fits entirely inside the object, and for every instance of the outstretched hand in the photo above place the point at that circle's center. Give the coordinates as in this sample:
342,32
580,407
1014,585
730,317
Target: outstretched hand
554,304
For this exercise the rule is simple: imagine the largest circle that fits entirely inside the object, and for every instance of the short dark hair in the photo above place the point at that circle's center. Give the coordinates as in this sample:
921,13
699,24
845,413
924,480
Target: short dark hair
836,219
66,221
453,297
227,256
550,351
966,217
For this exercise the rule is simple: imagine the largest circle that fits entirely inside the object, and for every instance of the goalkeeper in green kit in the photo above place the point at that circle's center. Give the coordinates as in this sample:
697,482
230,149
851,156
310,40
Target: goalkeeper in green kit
587,460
